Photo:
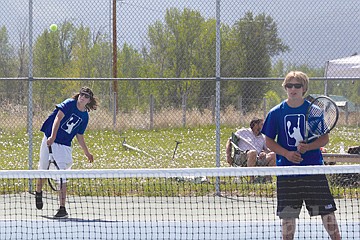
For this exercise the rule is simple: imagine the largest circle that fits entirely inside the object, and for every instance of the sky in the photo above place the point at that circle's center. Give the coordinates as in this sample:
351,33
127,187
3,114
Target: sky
316,31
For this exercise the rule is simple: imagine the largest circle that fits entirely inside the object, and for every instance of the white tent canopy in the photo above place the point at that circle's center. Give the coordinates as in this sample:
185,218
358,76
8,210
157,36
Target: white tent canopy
348,67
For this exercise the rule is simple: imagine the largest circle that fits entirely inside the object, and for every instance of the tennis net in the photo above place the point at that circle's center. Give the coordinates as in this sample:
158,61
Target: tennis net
216,203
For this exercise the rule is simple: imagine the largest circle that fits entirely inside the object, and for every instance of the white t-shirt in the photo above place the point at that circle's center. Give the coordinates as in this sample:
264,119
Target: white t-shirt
248,141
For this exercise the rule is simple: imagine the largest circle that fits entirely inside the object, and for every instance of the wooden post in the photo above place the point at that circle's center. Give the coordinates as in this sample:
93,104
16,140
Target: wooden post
114,111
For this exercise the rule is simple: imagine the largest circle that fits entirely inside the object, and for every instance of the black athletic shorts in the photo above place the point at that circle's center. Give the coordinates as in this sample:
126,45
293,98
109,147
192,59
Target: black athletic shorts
313,190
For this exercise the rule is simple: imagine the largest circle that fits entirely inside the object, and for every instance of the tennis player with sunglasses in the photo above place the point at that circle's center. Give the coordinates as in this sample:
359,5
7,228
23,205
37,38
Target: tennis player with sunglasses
284,129
69,119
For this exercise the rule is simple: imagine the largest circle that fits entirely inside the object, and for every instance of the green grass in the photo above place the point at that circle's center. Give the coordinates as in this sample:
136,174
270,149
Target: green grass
350,136
197,149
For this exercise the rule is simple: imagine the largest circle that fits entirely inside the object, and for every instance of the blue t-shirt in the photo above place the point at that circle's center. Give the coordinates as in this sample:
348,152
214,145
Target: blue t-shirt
74,122
287,126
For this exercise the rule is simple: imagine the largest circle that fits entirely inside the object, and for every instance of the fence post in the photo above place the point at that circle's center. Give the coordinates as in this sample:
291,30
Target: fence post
114,110
212,99
346,112
264,107
240,107
151,111
184,109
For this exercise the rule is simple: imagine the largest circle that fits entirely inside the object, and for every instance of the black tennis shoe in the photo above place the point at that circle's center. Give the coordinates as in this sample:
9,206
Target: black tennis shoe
38,200
61,213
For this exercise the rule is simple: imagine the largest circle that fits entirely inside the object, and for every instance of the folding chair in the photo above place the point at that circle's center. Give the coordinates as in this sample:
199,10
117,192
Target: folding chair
238,156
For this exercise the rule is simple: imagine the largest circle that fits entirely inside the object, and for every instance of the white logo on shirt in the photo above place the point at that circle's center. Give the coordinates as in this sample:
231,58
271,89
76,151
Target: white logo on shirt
71,123
293,128
329,206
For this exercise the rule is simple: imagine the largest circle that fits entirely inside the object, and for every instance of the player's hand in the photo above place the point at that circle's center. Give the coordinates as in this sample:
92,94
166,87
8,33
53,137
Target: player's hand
50,141
90,157
303,147
294,156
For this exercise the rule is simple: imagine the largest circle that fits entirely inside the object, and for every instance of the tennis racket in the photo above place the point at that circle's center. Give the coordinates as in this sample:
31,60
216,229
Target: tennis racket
321,117
55,184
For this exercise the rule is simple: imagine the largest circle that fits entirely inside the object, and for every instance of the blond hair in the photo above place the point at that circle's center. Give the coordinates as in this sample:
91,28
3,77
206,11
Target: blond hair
299,77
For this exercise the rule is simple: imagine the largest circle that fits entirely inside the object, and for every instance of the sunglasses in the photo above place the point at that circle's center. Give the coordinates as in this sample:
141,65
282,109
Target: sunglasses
84,95
296,85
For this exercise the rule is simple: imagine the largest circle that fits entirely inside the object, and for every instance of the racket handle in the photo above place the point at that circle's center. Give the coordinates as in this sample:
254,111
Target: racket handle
50,149
313,137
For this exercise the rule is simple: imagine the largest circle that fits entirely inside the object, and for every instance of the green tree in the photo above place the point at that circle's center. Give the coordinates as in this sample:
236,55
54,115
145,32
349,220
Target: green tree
272,99
8,68
7,56
206,64
101,56
81,63
67,41
253,40
182,47
185,28
47,63
133,93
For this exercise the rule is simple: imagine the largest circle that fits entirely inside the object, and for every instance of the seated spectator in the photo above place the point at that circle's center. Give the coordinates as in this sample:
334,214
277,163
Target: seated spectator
251,143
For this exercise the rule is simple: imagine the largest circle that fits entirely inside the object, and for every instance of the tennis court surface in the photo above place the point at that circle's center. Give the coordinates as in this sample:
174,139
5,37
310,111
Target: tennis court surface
169,204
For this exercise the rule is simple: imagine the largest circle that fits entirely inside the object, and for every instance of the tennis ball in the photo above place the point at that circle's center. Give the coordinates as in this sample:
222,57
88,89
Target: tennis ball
53,27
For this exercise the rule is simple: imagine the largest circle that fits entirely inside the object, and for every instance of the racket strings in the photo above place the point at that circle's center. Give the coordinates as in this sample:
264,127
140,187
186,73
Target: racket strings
322,116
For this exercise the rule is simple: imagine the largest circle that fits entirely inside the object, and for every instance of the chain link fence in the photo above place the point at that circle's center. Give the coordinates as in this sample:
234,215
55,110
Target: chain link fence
153,64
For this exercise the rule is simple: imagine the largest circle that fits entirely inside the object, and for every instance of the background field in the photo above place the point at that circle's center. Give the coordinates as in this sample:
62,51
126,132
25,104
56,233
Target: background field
197,148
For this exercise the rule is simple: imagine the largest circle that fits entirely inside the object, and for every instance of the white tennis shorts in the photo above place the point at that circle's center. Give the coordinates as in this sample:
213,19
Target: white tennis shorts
62,155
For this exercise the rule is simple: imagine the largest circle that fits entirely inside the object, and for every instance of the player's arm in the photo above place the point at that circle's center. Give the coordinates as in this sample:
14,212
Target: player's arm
82,144
292,156
318,143
55,127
